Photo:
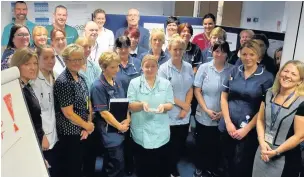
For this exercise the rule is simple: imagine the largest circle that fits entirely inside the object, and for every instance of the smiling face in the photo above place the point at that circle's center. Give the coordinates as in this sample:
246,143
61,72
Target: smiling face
21,38
244,37
100,19
171,29
75,61
40,36
20,11
290,77
29,70
60,16
91,31
186,34
249,57
208,24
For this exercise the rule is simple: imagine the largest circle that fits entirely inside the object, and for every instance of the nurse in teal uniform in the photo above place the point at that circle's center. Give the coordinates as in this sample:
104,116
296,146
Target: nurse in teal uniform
150,97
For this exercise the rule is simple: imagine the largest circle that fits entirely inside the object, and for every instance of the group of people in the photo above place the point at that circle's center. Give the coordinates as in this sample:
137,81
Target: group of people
249,114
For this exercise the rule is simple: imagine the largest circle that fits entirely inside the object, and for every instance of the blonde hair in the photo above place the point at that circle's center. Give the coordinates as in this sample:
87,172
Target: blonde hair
39,30
254,46
71,48
107,58
83,41
149,57
159,33
250,32
300,88
219,32
176,39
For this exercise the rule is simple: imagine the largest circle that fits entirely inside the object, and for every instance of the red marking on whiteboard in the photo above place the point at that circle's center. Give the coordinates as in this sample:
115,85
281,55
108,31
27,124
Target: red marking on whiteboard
8,102
2,131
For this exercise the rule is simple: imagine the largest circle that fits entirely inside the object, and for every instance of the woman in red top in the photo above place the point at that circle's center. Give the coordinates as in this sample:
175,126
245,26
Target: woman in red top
203,39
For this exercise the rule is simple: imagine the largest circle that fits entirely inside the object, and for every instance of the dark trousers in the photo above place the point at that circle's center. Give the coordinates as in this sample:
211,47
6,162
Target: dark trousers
51,156
92,148
208,153
128,152
239,154
70,152
152,162
114,161
178,137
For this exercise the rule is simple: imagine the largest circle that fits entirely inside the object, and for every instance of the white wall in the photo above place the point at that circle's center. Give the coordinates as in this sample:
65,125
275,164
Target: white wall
268,12
111,7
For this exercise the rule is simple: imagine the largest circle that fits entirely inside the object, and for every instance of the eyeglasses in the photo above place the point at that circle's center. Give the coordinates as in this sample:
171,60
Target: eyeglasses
75,61
22,35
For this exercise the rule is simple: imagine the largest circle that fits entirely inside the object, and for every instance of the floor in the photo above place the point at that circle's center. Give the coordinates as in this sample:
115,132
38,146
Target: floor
185,167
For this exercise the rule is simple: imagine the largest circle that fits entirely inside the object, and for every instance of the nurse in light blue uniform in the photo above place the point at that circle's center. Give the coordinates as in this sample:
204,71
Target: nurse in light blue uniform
181,76
208,87
150,97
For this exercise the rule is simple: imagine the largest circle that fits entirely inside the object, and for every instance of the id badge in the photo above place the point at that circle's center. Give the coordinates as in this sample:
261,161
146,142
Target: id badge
243,124
198,113
268,138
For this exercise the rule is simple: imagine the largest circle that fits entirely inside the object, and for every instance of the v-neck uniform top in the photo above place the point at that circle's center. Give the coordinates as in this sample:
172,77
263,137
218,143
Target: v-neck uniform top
245,95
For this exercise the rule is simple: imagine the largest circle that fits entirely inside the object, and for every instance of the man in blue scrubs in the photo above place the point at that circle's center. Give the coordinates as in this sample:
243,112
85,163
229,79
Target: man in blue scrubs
20,12
60,17
133,19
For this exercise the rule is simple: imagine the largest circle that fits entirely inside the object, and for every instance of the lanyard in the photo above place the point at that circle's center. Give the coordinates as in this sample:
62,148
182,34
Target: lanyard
61,62
274,115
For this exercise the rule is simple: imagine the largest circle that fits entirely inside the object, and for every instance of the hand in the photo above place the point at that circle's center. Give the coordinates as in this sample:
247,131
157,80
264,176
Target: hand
211,114
269,154
123,127
264,148
240,133
145,106
45,143
161,108
218,116
231,129
182,114
90,127
186,107
126,121
84,135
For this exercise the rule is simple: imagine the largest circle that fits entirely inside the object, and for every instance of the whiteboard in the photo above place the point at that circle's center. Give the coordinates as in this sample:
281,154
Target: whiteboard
20,151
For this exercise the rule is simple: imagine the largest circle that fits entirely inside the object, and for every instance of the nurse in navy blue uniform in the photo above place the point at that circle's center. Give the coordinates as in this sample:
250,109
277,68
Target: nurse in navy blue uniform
111,131
129,68
240,101
157,39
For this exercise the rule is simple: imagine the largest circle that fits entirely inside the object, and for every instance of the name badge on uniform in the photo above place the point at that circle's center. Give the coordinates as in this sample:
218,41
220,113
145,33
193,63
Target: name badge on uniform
269,138
198,113
245,123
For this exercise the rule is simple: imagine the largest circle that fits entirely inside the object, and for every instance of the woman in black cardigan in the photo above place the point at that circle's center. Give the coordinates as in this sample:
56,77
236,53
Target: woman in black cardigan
27,62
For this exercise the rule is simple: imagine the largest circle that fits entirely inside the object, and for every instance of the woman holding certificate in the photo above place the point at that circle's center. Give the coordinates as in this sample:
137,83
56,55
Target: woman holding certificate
110,126
150,98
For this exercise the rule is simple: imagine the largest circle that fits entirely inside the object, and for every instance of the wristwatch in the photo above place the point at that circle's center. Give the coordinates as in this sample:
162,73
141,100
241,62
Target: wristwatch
277,153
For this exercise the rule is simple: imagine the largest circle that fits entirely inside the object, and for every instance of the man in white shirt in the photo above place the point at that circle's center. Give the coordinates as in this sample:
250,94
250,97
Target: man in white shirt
91,32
